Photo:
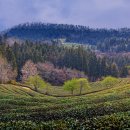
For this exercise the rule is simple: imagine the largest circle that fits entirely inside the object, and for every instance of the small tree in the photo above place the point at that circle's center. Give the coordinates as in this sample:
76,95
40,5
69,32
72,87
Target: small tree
37,82
82,83
70,85
109,81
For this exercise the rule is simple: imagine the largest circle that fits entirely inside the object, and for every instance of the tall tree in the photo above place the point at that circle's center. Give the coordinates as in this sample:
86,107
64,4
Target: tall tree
6,71
29,69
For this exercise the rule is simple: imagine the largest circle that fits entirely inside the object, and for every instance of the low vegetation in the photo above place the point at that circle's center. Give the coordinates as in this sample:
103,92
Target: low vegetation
57,87
100,108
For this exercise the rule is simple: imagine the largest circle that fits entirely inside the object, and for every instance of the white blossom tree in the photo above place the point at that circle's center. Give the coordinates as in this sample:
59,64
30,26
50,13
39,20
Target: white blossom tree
29,69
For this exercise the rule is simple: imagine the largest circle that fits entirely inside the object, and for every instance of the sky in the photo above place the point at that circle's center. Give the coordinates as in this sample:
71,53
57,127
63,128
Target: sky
92,13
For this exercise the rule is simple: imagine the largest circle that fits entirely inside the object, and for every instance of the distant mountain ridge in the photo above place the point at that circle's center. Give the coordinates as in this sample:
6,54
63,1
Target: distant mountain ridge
71,33
103,40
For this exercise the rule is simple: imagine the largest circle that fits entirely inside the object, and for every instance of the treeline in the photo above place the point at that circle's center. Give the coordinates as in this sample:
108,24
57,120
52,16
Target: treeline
50,73
62,57
114,45
71,33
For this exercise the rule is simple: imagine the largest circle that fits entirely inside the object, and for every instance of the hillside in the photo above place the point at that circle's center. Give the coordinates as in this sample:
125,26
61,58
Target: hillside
105,40
22,108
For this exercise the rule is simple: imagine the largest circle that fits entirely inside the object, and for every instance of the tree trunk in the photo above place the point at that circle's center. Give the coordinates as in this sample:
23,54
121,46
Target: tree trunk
81,87
46,90
80,90
72,92
35,88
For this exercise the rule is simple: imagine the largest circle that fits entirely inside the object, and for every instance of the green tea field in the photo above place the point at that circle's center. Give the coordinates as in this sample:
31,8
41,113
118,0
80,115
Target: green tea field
98,108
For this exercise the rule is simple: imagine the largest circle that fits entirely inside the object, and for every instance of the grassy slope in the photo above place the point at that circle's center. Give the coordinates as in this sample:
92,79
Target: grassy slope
17,103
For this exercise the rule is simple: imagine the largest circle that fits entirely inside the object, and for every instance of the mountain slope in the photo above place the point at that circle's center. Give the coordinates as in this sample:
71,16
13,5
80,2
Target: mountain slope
71,33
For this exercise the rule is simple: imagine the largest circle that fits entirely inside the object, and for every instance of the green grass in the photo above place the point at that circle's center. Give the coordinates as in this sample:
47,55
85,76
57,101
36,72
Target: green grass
99,108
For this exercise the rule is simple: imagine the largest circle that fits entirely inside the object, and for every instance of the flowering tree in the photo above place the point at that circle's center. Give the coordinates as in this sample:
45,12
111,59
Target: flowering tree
6,71
29,69
55,75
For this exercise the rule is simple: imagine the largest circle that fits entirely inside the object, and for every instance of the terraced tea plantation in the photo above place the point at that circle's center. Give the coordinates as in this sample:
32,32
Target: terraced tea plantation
100,108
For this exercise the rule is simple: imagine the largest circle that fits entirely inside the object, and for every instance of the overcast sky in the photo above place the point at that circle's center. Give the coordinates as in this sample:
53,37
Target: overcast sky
93,13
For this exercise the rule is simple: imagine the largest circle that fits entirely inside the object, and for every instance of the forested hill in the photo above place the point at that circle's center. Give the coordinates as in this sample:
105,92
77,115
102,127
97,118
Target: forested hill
71,33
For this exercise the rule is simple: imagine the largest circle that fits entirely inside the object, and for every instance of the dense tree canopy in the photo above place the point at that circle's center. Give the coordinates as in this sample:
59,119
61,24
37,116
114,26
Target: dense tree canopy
104,40
62,57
